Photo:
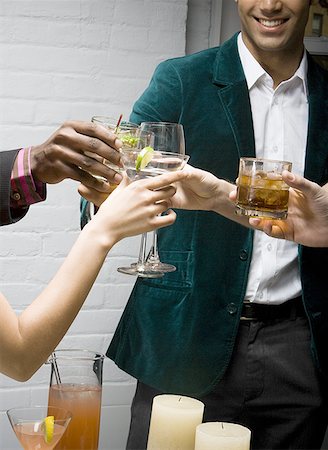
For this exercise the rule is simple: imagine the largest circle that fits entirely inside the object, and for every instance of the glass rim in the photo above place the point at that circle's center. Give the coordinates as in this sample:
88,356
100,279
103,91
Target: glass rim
40,408
252,159
106,120
168,124
77,354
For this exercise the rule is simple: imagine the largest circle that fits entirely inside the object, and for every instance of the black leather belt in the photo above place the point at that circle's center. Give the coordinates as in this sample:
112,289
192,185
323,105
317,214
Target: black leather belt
259,311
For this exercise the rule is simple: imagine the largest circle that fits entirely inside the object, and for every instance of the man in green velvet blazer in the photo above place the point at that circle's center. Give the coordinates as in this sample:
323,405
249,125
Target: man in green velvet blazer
186,333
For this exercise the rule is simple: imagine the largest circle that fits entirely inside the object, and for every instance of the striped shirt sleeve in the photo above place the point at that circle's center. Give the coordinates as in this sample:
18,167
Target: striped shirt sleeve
24,189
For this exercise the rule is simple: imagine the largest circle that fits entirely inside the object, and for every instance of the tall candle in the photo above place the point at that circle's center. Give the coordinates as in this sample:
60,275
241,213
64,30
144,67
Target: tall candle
222,436
173,422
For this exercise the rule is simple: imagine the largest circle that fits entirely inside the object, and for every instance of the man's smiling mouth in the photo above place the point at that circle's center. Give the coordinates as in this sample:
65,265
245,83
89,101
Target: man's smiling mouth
271,23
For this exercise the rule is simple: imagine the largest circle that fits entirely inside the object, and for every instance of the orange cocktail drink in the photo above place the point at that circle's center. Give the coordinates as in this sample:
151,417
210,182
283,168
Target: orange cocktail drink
76,382
84,402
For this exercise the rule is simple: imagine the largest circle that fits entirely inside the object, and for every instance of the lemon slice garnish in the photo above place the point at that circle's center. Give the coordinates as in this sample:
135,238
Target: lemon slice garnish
48,426
144,158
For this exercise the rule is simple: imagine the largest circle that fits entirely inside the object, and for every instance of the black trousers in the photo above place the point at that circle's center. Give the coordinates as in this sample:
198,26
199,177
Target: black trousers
271,386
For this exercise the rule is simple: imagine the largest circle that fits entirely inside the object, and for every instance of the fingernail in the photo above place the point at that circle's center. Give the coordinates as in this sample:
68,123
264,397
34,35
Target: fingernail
118,178
290,176
118,143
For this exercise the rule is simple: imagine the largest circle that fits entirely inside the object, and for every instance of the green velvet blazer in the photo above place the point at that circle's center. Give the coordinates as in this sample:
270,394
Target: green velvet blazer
177,333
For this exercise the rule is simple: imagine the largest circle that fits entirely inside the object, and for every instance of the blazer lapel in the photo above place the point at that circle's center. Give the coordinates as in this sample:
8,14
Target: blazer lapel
233,94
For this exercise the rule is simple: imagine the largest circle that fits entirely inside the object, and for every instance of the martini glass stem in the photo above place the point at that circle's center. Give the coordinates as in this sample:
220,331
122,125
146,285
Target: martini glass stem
142,251
153,257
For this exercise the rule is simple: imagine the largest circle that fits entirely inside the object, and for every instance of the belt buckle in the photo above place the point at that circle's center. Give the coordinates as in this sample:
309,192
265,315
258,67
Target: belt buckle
247,306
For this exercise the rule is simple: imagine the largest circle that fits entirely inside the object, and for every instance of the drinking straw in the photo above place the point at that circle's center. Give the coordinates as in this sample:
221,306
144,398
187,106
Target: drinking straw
55,368
118,123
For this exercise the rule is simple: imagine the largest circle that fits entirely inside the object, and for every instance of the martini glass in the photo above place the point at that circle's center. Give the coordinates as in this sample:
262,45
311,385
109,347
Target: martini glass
160,162
168,138
30,429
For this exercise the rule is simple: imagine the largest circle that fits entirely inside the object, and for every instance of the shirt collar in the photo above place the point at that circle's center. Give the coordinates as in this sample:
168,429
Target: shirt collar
254,71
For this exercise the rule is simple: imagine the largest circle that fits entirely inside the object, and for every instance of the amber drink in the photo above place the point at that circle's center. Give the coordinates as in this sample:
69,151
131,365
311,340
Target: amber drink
76,383
261,191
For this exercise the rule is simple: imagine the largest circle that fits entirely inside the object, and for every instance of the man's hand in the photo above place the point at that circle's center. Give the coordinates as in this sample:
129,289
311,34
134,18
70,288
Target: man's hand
74,151
307,221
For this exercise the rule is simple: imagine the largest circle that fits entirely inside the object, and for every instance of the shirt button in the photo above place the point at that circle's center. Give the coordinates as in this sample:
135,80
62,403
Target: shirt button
260,295
269,247
232,308
275,149
243,255
16,196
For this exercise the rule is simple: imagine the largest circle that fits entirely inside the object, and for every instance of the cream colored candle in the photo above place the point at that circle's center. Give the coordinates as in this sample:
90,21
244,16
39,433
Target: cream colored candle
173,422
222,436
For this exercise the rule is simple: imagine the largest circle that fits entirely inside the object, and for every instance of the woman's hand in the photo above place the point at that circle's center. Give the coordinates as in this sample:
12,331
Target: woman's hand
135,208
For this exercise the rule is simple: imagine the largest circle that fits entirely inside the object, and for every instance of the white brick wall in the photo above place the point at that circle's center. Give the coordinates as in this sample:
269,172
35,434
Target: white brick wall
62,60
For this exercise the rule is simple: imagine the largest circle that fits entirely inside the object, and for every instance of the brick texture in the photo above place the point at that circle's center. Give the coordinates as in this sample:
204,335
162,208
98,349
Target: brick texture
65,60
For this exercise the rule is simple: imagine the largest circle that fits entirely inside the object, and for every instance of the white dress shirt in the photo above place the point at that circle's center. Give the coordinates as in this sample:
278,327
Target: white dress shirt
280,120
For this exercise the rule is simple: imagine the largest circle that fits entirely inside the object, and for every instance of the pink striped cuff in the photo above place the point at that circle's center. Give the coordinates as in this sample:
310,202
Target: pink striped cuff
24,189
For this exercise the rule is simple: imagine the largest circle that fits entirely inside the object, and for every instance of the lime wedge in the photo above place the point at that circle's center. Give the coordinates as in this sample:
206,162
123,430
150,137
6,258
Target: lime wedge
144,158
48,426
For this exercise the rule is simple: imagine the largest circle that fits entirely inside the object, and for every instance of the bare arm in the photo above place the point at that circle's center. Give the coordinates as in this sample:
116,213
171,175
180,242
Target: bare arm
129,210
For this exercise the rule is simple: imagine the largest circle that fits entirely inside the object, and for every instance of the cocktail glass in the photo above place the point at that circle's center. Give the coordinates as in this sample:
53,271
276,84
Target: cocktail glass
168,138
161,162
31,429
125,131
76,384
261,191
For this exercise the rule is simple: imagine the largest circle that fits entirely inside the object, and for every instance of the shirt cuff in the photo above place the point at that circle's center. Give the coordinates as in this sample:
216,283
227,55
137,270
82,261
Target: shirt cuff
24,189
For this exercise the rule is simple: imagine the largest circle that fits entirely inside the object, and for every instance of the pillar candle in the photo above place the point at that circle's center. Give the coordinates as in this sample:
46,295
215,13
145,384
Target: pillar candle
173,422
222,436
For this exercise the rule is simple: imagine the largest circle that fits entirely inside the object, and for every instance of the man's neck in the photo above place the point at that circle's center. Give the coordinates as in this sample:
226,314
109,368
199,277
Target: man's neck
280,67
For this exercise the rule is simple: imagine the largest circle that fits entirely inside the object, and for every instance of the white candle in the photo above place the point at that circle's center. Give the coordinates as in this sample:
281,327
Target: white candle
173,422
222,436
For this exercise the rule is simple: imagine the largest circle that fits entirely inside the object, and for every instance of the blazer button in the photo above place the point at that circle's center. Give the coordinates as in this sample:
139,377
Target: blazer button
243,255
232,308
